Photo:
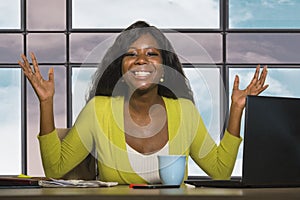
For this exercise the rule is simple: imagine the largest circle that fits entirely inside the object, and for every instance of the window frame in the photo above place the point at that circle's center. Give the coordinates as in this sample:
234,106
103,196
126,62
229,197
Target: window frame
225,66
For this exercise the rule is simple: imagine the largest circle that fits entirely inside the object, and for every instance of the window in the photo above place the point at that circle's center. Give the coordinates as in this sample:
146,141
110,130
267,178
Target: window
283,82
10,121
266,14
10,16
172,14
273,48
32,108
214,39
42,16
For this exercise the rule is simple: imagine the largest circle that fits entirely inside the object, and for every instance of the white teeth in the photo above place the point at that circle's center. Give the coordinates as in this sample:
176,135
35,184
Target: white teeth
142,73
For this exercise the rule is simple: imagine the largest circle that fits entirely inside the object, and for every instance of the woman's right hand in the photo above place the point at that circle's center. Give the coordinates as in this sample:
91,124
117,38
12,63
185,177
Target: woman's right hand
43,88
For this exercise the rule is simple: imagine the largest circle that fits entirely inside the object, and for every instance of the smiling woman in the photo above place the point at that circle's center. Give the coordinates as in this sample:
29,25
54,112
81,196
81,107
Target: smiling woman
64,33
140,99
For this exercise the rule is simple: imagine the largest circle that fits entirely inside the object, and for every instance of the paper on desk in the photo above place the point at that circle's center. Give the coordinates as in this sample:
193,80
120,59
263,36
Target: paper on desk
75,183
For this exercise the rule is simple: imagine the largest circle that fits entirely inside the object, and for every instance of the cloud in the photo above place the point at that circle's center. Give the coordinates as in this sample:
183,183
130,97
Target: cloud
90,47
263,48
277,86
263,13
240,15
11,46
197,48
48,47
273,4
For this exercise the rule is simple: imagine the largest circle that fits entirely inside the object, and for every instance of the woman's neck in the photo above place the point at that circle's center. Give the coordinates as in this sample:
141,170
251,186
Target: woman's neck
140,102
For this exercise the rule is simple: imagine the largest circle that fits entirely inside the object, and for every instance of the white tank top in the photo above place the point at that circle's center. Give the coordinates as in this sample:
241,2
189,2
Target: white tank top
146,165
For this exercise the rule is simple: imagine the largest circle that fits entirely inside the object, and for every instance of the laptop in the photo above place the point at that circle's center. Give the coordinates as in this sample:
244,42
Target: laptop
271,156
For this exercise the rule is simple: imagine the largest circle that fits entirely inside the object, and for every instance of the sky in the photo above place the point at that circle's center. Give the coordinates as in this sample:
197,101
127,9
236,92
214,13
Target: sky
194,47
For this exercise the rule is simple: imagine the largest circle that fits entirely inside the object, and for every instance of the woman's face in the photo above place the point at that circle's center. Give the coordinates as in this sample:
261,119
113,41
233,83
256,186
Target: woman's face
142,64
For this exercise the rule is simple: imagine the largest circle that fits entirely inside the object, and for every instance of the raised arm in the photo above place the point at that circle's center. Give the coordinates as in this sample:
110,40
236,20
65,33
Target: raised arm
44,90
238,98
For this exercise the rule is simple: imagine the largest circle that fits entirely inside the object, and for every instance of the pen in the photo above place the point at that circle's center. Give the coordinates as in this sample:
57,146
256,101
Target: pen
133,185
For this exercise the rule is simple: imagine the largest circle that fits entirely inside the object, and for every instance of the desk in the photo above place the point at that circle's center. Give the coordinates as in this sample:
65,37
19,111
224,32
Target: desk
123,192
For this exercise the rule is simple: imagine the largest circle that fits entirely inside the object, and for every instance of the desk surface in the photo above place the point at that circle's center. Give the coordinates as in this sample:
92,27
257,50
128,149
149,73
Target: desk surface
124,192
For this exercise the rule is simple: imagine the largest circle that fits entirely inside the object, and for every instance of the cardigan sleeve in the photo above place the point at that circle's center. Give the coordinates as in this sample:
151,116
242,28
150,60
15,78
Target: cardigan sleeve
216,160
59,157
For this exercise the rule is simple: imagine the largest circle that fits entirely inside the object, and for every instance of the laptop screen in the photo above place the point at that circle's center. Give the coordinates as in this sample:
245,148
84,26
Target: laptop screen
272,141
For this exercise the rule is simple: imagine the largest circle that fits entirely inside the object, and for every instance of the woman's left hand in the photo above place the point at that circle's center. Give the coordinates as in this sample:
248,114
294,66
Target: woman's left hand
256,86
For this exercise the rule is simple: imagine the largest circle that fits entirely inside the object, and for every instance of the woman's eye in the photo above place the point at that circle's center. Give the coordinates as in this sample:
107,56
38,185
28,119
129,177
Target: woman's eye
152,54
130,54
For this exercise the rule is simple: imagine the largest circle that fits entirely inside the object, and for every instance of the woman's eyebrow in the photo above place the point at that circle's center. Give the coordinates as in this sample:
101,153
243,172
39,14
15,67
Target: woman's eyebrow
149,47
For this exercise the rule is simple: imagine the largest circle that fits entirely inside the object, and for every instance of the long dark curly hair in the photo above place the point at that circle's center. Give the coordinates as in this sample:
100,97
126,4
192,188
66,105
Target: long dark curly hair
109,71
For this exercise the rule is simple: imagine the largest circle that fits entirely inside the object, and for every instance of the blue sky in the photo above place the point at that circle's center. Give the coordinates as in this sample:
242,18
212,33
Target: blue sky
264,14
248,48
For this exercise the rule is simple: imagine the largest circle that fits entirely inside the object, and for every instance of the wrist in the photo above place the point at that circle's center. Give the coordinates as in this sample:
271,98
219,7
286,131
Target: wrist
46,101
237,107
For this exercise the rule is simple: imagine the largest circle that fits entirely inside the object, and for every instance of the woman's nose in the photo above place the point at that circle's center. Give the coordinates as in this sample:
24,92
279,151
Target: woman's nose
141,59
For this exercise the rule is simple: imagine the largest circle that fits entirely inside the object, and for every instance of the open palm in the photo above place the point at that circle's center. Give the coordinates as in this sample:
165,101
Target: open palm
255,87
43,88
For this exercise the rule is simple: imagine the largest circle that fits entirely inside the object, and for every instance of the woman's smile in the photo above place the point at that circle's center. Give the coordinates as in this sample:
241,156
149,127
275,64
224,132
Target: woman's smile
142,73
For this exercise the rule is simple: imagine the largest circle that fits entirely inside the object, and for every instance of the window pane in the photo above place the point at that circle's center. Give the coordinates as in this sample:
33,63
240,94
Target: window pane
81,79
191,47
48,47
197,47
46,15
34,163
268,14
10,122
282,82
161,13
263,48
206,86
90,47
11,47
10,15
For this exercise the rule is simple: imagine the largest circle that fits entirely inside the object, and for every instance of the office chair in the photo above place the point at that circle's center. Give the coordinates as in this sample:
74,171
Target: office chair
86,170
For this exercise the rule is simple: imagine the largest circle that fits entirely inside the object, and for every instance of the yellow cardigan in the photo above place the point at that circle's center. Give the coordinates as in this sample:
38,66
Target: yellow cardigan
101,124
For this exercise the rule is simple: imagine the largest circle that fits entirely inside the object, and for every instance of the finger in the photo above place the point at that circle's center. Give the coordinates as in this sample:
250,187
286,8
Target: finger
51,74
26,64
236,83
263,75
22,64
35,66
25,71
255,79
25,68
262,89
256,74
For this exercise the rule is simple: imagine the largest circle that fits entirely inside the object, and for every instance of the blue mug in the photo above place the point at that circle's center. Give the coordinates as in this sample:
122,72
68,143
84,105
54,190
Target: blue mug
171,169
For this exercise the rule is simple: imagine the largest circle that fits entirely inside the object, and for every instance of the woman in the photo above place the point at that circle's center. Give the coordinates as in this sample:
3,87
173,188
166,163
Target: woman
140,106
